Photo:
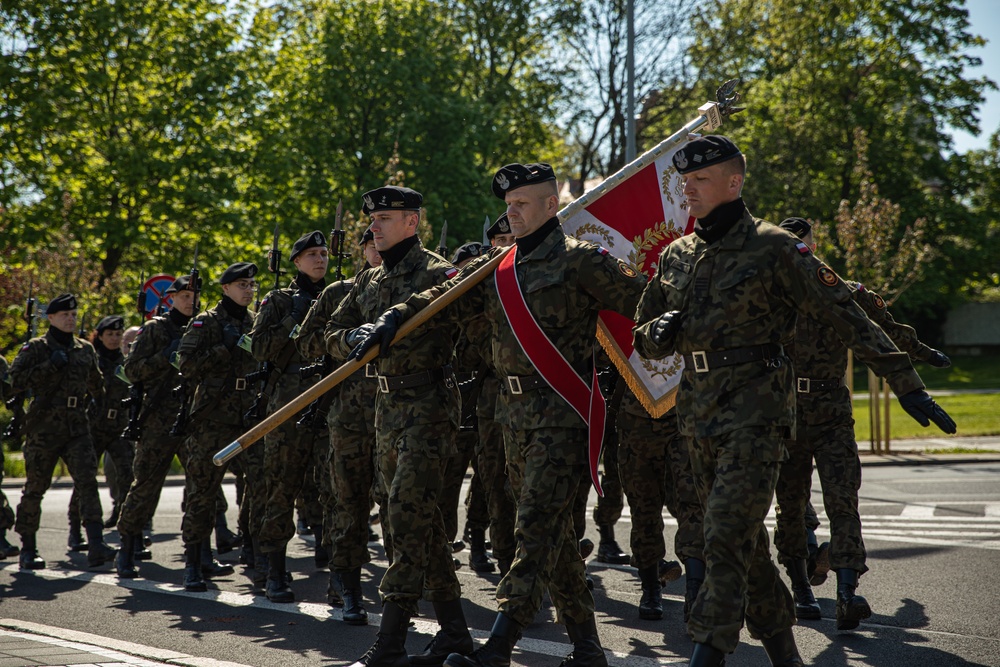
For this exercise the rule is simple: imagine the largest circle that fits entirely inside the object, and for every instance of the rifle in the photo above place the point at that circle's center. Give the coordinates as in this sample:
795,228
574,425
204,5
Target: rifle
443,243
337,241
265,371
136,390
16,402
179,427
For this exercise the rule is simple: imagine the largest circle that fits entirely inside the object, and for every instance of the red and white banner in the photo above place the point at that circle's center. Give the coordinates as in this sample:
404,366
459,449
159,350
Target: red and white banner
635,220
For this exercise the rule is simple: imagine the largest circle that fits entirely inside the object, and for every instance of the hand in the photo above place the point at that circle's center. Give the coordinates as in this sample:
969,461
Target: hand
357,335
939,359
382,333
59,358
169,350
230,336
665,327
300,306
919,405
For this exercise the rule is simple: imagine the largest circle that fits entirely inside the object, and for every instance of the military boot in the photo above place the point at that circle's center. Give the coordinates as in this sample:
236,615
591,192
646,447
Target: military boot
586,547
246,553
669,570
806,607
260,566
608,550
29,554
6,548
497,649
321,556
141,551
587,651
781,649
354,601
851,608
705,655
822,568
278,589
209,566
98,553
651,602
113,519
75,542
193,581
503,566
225,539
125,560
389,649
453,637
478,560
694,573
333,588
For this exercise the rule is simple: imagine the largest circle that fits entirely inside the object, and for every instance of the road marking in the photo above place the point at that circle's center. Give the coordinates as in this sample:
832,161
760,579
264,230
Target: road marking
917,511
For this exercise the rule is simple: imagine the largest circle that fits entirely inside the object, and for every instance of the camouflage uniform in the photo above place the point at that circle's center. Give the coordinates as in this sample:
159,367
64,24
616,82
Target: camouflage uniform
739,296
415,426
56,424
6,512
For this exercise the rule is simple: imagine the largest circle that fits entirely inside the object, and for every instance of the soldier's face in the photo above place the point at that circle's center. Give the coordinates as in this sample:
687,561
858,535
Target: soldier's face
391,227
127,338
502,240
708,188
371,254
313,262
64,320
240,291
529,207
111,338
184,302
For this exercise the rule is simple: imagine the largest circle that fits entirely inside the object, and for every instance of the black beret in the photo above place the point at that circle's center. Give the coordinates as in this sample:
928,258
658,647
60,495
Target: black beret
366,236
467,251
500,226
313,239
238,271
182,283
391,198
113,322
60,303
798,226
514,176
704,152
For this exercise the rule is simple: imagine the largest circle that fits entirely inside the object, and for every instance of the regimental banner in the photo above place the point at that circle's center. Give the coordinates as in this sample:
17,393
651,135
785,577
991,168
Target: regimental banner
635,220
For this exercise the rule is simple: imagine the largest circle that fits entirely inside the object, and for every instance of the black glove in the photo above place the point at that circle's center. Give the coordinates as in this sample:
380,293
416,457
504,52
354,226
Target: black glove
59,358
939,359
357,335
382,333
919,405
230,336
665,327
300,306
169,350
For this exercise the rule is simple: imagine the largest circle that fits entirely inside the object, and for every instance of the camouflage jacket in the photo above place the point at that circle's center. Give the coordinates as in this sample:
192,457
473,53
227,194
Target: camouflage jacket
109,416
745,290
426,349
61,396
149,364
566,282
4,378
221,393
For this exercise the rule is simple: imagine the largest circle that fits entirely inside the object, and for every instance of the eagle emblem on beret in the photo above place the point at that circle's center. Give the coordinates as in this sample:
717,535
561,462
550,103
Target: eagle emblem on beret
503,181
368,202
317,238
504,227
680,159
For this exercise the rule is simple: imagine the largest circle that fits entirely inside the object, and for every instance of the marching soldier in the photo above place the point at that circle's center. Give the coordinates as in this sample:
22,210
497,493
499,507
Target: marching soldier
416,421
61,371
6,512
726,297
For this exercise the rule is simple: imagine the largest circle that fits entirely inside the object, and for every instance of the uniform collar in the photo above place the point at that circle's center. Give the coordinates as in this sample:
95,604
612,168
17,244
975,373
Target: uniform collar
538,247
407,262
61,337
397,253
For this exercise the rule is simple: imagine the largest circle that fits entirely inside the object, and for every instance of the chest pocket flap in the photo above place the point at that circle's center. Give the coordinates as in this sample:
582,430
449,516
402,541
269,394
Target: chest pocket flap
737,277
545,294
676,275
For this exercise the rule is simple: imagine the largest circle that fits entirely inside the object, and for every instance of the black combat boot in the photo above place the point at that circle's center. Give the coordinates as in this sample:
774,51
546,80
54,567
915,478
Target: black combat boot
113,519
209,566
651,602
141,550
586,547
225,539
478,560
497,649
503,566
806,607
333,588
125,560
781,649
354,601
75,542
321,557
389,649
608,550
98,553
851,608
694,570
705,655
29,554
669,570
453,637
193,581
587,651
6,548
822,568
278,589
246,553
261,564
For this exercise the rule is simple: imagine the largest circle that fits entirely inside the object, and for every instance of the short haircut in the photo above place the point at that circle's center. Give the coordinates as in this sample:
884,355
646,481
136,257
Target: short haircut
735,165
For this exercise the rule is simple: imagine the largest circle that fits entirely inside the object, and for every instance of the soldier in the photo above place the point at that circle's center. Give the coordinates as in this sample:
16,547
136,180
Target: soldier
217,367
416,421
824,431
128,337
499,234
565,283
726,297
289,453
61,371
6,512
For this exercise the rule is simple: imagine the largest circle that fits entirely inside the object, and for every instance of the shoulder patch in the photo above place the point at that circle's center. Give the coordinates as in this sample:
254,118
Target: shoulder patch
827,276
627,270
802,248
602,250
878,301
197,324
25,347
451,273
264,302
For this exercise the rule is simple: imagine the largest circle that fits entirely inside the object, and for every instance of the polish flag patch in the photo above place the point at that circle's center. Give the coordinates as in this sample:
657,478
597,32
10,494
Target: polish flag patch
197,324
602,250
451,273
802,248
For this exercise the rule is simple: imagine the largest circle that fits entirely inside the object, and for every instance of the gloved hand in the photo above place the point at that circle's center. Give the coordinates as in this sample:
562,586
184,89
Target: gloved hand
382,333
59,358
939,359
300,306
665,327
169,350
230,336
357,335
919,405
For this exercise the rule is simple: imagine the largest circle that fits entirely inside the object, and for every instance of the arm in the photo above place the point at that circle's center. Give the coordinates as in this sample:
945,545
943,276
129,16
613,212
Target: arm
200,353
904,336
95,379
345,319
32,369
663,294
310,340
150,355
612,283
272,326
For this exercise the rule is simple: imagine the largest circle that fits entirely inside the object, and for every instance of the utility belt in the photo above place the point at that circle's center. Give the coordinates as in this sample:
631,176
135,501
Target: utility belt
387,383
466,376
518,384
240,384
815,386
703,361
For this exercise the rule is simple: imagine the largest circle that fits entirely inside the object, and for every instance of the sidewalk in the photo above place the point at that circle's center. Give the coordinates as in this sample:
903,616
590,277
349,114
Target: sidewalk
915,451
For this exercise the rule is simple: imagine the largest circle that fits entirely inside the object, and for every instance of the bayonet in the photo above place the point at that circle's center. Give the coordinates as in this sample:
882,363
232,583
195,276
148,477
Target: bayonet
443,243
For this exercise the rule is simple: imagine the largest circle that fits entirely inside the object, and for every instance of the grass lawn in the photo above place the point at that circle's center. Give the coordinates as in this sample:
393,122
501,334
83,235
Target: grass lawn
982,372
975,414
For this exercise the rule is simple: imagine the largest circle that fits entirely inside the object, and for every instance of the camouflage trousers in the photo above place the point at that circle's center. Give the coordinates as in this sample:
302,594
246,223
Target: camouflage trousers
492,463
736,473
454,477
610,506
477,511
40,458
352,471
313,504
545,466
118,454
6,512
153,455
412,463
836,453
656,470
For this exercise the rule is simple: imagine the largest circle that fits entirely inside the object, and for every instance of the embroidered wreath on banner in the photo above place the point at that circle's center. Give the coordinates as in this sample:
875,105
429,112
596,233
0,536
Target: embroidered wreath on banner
657,370
596,230
651,239
671,192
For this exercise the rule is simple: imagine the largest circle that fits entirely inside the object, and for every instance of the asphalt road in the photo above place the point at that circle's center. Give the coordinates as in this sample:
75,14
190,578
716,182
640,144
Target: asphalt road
932,532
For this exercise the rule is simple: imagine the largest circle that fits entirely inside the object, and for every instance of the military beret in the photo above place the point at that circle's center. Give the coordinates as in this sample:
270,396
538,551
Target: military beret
238,271
313,239
798,226
500,226
366,236
391,198
467,251
704,152
181,284
514,176
113,322
60,303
